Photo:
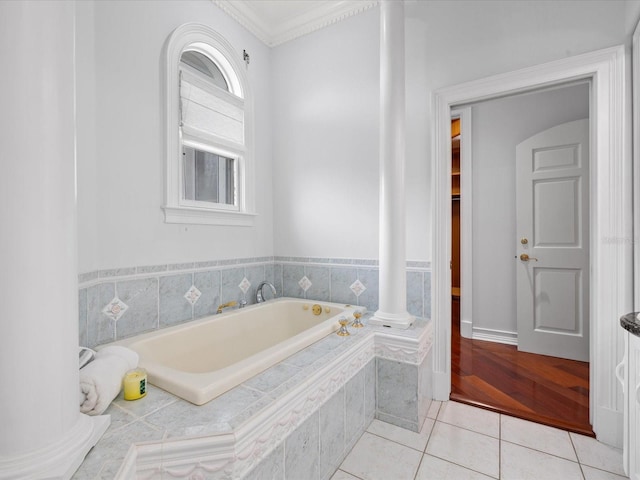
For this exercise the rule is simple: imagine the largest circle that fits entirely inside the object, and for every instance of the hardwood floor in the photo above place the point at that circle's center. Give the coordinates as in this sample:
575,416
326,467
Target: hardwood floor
543,389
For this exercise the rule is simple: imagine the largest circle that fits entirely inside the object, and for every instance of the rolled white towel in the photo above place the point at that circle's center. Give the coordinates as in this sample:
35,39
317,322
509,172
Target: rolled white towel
101,379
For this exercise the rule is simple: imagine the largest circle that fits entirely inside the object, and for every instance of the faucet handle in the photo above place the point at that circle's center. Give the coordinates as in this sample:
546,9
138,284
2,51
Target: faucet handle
357,322
242,303
343,332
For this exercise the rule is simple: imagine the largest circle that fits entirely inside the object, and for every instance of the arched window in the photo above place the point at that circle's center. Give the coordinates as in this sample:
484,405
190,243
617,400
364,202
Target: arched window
209,157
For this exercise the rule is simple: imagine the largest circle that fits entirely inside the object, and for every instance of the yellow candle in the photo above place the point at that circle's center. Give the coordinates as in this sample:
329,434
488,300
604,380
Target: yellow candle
135,384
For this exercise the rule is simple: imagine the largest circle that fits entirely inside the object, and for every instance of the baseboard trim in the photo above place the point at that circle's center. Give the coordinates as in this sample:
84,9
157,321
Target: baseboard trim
498,336
441,386
466,328
609,426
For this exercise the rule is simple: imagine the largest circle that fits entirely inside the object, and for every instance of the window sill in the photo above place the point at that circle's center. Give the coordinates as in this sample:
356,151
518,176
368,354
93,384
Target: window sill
204,216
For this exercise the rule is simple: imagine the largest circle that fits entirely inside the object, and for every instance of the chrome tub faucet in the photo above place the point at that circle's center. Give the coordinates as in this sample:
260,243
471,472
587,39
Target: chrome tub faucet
260,294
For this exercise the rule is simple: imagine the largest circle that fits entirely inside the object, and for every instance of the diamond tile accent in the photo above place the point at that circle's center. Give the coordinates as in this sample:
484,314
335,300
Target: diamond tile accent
244,285
357,287
115,309
305,283
192,295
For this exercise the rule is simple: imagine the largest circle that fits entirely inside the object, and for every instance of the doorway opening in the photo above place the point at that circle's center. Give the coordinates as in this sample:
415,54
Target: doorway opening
487,369
611,218
455,221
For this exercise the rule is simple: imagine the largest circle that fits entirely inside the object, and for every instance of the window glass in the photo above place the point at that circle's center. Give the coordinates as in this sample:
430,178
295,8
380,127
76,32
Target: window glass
208,177
206,66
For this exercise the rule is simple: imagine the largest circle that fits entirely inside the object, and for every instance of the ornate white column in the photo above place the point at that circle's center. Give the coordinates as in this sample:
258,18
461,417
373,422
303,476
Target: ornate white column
392,310
44,434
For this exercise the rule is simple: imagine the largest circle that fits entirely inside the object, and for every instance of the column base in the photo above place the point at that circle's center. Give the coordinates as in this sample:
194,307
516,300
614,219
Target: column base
61,460
392,320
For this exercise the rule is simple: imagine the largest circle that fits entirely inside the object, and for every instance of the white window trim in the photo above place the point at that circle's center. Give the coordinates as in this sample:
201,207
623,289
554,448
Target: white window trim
176,210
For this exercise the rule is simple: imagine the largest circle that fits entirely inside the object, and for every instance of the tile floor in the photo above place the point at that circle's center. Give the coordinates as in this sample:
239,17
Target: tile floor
459,442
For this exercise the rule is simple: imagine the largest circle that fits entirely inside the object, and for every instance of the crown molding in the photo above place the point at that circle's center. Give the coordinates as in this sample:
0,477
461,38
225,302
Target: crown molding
297,26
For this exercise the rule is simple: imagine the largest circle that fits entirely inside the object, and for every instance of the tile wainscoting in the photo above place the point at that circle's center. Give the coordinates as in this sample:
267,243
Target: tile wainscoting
119,303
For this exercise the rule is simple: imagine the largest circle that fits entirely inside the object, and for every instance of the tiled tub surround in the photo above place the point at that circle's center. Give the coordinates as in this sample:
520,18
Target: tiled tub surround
298,419
403,392
119,303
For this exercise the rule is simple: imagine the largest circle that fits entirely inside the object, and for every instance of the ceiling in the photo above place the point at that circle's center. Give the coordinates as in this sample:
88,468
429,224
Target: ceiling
278,21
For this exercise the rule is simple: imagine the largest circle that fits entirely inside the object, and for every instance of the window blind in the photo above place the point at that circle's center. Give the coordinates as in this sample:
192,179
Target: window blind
211,110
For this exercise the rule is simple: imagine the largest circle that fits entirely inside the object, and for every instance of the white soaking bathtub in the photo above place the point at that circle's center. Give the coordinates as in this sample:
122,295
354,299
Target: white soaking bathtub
204,358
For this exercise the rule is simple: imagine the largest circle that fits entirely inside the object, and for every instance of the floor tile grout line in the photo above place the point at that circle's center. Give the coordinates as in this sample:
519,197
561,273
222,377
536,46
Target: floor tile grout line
541,451
349,473
284,460
415,476
459,465
602,470
394,441
349,453
426,445
581,471
573,445
469,430
438,410
571,434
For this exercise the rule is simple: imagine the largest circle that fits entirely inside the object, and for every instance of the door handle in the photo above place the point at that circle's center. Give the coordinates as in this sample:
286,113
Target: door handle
525,258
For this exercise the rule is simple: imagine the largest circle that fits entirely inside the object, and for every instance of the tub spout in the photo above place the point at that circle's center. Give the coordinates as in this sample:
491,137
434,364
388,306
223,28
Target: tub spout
260,294
232,303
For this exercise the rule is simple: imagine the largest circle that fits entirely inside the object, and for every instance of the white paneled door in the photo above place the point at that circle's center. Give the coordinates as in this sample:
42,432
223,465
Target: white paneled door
552,260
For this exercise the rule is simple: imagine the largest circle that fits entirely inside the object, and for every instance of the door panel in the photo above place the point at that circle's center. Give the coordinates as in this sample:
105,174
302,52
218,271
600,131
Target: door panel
560,156
557,212
557,300
552,214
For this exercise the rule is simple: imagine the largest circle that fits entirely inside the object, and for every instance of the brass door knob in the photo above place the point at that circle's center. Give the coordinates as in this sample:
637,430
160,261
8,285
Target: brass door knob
525,258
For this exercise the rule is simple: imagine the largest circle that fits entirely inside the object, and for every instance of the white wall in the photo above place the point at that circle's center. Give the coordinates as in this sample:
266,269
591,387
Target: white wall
326,108
497,127
120,138
326,111
317,115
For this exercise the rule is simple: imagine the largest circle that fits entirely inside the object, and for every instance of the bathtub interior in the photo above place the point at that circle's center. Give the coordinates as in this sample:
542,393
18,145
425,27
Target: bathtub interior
202,359
219,341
